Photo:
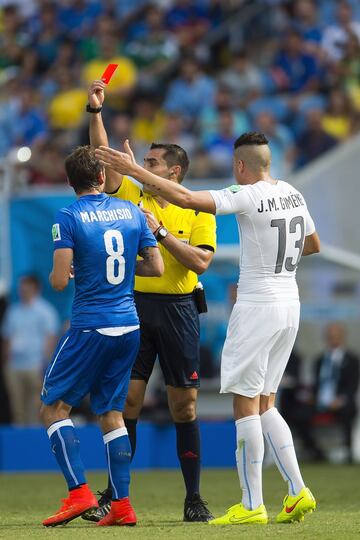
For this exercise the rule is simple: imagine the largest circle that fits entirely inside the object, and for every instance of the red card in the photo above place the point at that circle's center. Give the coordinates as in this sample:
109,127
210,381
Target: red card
108,73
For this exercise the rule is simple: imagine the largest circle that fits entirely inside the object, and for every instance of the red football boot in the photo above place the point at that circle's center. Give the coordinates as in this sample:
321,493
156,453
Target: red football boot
121,513
79,501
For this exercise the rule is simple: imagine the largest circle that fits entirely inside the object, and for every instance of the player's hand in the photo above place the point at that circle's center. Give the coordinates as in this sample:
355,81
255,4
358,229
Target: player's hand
121,162
129,152
96,94
151,220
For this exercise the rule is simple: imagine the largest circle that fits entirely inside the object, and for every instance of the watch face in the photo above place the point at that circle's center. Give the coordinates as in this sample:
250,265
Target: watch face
162,233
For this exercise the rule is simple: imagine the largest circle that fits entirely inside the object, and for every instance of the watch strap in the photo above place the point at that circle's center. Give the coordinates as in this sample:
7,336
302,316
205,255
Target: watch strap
93,110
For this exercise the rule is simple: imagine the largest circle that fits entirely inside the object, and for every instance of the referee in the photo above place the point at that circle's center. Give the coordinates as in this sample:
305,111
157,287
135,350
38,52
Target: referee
166,306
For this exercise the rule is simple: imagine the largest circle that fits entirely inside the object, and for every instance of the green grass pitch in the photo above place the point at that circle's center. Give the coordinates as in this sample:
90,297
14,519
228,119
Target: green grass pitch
158,498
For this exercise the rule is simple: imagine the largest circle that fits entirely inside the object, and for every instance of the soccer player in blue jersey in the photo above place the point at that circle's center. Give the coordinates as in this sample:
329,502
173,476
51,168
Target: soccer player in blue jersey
101,237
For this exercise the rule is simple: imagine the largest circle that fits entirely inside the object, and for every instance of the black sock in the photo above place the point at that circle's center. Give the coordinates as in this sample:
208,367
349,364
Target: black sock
130,424
188,451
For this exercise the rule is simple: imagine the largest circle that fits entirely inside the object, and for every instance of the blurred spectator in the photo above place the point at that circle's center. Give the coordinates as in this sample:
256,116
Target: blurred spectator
67,56
90,44
127,10
337,118
46,166
220,147
48,36
313,141
336,382
67,107
189,93
13,40
336,36
28,123
124,78
306,22
209,119
78,16
155,52
281,142
348,70
201,165
293,69
296,407
120,129
5,413
242,78
148,122
174,132
29,334
190,14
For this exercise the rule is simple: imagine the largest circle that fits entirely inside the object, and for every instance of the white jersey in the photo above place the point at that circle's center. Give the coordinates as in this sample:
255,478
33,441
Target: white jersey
273,221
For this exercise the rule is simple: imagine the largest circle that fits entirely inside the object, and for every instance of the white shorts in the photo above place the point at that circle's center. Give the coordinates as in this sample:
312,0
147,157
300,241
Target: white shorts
259,340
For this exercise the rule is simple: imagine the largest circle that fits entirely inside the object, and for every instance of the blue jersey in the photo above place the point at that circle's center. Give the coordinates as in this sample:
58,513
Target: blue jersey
106,234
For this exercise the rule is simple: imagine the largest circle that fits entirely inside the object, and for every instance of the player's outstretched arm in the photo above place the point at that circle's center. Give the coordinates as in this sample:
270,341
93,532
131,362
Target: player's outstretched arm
97,132
311,244
125,163
151,264
61,272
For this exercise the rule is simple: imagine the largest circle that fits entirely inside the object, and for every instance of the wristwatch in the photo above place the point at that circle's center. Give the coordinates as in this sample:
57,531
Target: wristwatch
93,110
161,233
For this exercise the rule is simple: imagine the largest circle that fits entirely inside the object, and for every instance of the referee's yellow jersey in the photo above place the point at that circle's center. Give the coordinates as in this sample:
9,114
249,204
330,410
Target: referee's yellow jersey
194,228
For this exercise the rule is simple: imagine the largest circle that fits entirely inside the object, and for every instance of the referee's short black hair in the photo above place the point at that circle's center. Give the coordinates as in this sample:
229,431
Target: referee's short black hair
252,138
83,169
174,155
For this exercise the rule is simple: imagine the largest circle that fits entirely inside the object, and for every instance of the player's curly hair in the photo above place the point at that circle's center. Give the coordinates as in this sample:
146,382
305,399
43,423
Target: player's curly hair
83,169
252,138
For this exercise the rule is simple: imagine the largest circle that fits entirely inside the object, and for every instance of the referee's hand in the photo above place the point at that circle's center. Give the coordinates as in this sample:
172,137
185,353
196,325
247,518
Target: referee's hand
151,220
96,94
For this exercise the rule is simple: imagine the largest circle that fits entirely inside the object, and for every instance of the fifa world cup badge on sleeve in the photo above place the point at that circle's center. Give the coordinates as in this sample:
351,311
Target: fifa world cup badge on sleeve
56,232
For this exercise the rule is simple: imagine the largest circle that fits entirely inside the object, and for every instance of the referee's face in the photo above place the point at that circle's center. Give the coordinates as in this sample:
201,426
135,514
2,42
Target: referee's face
155,163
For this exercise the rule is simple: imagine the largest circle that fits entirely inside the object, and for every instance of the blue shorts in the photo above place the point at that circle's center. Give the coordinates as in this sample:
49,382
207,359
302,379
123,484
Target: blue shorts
88,362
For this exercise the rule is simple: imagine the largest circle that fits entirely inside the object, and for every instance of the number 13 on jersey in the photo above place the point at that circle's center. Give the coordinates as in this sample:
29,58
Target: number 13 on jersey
290,235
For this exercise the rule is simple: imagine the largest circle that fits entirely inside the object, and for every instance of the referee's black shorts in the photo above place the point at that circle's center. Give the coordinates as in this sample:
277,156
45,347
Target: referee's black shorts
169,329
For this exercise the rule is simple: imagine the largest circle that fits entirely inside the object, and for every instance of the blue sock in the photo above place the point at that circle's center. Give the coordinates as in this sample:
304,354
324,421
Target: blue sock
66,447
118,453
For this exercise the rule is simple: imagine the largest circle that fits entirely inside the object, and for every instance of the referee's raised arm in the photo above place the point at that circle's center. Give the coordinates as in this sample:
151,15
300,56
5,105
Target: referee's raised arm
97,133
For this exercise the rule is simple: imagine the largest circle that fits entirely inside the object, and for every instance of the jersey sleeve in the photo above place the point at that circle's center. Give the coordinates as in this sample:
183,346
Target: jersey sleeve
147,239
309,223
203,232
63,230
231,200
128,191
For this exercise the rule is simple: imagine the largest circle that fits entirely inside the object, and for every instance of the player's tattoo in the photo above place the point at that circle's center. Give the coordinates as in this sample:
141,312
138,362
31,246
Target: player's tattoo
147,253
144,266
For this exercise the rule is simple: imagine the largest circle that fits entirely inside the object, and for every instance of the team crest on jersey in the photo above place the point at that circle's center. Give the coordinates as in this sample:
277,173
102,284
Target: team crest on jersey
235,188
56,232
241,443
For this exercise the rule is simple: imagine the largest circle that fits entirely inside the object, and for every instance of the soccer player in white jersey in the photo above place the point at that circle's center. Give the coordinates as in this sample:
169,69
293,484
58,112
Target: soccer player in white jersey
275,230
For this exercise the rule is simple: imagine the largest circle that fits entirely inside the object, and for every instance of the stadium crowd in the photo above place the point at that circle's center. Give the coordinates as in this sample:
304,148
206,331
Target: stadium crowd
186,74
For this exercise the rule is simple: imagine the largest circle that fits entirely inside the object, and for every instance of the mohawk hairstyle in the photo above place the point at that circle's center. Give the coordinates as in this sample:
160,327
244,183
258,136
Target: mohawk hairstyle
252,138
